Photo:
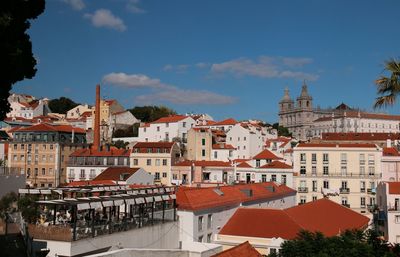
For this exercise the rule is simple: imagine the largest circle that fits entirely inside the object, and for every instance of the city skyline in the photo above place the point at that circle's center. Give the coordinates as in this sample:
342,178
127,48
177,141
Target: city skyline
225,59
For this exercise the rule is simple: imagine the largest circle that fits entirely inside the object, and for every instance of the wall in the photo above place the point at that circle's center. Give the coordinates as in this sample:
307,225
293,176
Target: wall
11,183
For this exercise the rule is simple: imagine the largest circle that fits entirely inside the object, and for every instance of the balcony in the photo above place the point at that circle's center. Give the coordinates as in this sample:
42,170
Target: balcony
362,190
371,191
362,162
302,189
344,190
362,206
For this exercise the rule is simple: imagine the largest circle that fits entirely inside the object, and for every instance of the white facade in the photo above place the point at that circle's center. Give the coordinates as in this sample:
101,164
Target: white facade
348,174
388,195
77,111
223,154
247,142
83,173
166,131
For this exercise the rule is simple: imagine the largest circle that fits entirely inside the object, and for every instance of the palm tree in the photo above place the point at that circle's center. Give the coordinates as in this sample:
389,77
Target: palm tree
388,87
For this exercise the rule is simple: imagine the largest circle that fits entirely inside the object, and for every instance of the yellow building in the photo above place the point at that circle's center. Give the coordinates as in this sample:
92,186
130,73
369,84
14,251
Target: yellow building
199,144
345,173
42,152
156,158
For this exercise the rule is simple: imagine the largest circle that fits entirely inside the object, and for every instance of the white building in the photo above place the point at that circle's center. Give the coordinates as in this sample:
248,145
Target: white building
346,173
166,129
388,219
223,152
204,211
77,111
27,107
247,141
390,164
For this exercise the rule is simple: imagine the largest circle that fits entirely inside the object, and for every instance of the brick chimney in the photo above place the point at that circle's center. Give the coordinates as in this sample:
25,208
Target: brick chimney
96,131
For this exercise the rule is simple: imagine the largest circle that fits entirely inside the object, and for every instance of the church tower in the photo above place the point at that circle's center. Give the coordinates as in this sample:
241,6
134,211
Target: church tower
304,101
286,105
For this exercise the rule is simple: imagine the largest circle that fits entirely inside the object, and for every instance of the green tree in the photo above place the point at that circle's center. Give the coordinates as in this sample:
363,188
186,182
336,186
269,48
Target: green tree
131,131
151,113
282,131
27,207
62,105
120,144
16,57
6,203
388,87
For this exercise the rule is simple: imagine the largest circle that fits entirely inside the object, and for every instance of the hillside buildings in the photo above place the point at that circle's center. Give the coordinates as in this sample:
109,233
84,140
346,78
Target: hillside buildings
304,121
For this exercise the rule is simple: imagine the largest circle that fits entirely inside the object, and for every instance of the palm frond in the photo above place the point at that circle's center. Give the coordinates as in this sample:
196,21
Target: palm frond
385,101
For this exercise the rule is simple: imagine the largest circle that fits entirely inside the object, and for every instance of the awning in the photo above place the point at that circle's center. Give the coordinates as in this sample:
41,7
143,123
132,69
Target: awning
45,191
165,197
142,192
157,198
96,205
167,189
130,201
83,206
155,190
107,203
34,191
118,202
139,200
149,199
173,196
23,191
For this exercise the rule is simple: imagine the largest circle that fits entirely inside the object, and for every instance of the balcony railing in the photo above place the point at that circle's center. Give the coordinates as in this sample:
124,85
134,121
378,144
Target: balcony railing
362,206
371,191
344,190
302,189
362,190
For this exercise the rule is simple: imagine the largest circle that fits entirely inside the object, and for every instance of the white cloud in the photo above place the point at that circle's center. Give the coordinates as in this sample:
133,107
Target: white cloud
76,4
161,92
181,96
133,7
105,18
131,81
264,67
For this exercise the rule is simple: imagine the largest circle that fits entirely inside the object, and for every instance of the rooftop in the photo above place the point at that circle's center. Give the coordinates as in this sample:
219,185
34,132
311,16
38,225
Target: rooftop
116,174
266,154
322,215
204,163
170,119
44,127
276,165
229,121
352,136
307,145
195,199
242,250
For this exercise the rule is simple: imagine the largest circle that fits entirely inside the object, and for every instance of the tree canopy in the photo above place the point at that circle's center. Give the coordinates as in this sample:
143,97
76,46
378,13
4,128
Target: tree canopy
151,113
282,131
62,105
16,57
388,87
350,243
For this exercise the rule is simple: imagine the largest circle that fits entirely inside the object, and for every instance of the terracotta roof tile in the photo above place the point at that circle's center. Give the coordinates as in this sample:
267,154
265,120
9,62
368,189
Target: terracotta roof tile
90,183
312,216
336,145
229,121
394,188
266,154
352,136
242,250
244,165
48,127
276,165
204,163
210,197
222,146
170,119
390,151
115,173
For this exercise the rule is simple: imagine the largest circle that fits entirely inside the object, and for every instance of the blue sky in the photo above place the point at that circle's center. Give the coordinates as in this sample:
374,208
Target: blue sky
225,58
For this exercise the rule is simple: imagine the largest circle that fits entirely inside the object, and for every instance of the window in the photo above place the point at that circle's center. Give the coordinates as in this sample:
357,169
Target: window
15,146
157,176
157,162
273,177
371,170
314,170
15,157
303,199
283,179
148,162
92,174
203,152
257,163
22,157
326,170
209,220
43,158
302,170
158,128
362,159
43,171
209,236
167,125
362,186
203,141
343,158
302,157
200,224
362,170
82,175
325,157
22,146
149,150
314,158
51,157
263,178
184,124
343,170
397,219
344,201
344,184
314,198
215,154
50,171
135,162
326,184
36,159
371,159
51,147
164,162
200,239
164,174
362,201
314,186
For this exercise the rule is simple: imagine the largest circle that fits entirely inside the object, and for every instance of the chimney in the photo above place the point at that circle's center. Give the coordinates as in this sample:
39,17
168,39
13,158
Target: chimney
96,132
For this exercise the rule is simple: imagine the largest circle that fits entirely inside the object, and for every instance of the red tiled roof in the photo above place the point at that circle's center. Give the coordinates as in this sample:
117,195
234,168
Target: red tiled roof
336,145
352,136
242,250
115,173
229,121
390,151
321,215
244,165
170,119
276,165
266,154
92,152
48,127
210,197
394,188
204,163
222,146
161,147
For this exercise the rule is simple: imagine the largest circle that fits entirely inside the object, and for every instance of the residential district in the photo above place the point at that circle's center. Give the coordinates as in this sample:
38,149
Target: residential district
188,185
